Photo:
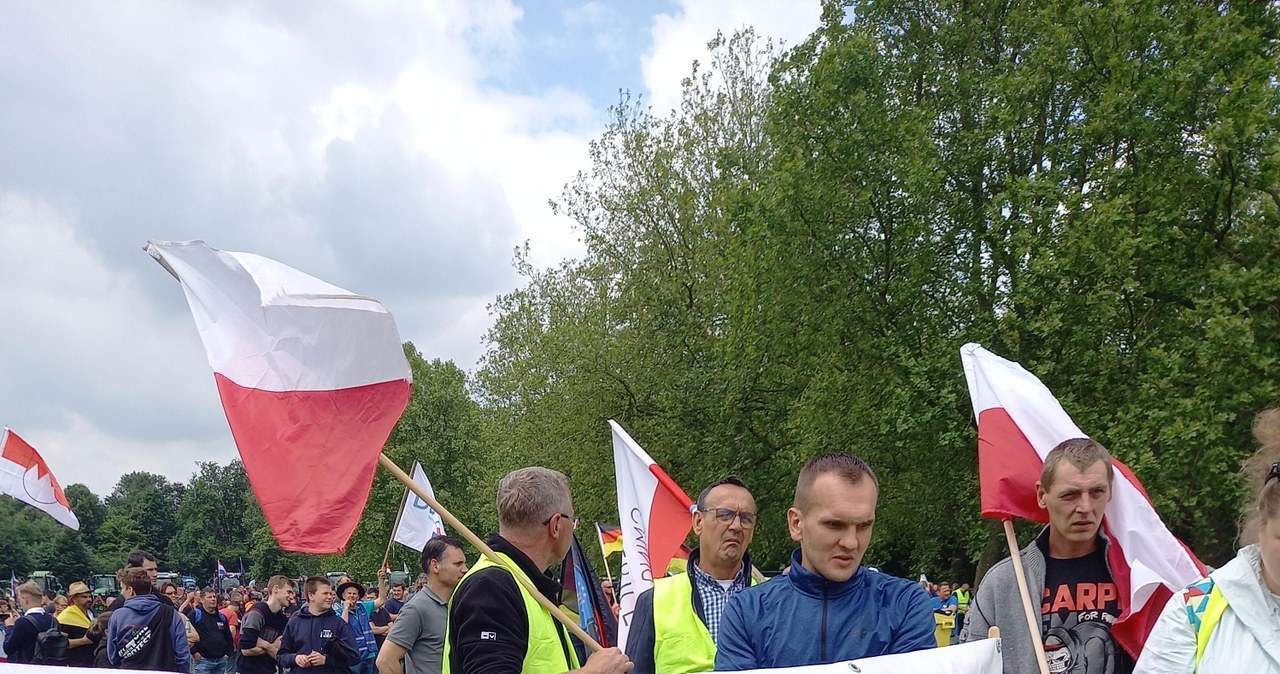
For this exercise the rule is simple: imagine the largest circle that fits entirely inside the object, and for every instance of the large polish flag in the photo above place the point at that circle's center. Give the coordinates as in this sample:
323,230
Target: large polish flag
654,512
25,476
1019,422
312,378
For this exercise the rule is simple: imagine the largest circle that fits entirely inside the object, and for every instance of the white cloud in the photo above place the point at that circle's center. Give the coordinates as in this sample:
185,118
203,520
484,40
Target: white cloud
681,38
365,142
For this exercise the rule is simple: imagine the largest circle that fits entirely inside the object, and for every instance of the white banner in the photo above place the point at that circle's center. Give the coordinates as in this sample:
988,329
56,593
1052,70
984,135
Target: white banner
419,521
975,657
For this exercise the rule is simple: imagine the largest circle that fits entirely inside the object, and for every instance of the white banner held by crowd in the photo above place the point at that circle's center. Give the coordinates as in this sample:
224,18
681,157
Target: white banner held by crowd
975,657
419,521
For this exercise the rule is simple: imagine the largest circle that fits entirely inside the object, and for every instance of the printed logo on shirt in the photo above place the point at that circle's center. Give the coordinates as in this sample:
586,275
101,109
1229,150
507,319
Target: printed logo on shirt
488,636
326,634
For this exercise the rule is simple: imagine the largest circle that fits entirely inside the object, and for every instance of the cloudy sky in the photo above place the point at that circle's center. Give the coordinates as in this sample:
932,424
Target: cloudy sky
400,149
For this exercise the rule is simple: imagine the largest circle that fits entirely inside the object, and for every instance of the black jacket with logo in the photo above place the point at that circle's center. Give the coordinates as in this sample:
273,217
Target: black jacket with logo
488,623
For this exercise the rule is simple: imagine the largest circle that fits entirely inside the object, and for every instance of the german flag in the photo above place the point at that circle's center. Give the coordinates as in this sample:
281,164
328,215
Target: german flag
610,539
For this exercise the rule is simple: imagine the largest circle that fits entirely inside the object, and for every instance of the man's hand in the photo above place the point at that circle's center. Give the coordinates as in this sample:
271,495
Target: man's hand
607,661
318,659
382,574
11,620
274,647
302,660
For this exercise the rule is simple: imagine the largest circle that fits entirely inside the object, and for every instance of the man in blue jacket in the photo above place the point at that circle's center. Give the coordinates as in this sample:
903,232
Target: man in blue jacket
316,639
145,633
829,608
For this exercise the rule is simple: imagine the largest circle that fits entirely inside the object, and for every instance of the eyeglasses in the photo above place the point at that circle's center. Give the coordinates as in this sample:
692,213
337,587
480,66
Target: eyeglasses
1274,474
726,516
573,519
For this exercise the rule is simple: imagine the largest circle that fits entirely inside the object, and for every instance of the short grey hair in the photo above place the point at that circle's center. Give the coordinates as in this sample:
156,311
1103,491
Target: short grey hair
528,497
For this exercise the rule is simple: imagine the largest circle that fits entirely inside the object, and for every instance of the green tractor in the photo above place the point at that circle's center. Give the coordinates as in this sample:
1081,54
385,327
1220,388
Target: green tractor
105,585
46,580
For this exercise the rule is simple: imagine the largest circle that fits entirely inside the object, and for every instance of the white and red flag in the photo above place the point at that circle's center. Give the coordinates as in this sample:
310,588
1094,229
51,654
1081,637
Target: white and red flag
312,378
654,515
25,476
1019,422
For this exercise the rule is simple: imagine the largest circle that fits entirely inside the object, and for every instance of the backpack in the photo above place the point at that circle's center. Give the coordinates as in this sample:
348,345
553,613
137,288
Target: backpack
51,645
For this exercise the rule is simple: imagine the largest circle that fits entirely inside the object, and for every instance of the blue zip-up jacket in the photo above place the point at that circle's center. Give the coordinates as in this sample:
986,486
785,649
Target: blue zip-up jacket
306,632
804,619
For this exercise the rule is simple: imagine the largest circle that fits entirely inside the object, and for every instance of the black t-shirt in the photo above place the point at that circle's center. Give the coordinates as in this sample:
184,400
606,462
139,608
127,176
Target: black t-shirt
1079,605
381,618
215,634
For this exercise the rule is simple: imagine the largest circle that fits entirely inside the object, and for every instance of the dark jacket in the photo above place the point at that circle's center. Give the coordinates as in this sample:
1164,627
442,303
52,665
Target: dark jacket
306,632
804,619
642,638
20,640
489,602
132,641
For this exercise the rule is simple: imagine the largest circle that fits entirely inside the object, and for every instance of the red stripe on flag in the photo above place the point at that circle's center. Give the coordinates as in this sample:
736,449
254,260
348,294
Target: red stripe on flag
311,455
669,520
1008,469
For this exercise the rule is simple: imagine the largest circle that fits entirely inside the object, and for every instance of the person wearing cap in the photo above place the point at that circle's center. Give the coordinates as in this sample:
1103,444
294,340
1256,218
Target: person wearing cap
74,621
359,615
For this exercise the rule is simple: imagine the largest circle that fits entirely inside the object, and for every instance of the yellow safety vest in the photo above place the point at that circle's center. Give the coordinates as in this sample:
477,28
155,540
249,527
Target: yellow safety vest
548,644
682,644
962,599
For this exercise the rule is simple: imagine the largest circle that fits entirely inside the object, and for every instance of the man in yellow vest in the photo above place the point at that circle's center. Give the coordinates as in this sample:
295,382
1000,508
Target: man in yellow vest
674,627
495,625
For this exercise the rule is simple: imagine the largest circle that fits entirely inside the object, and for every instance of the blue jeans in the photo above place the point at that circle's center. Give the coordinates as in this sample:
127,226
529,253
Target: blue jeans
211,665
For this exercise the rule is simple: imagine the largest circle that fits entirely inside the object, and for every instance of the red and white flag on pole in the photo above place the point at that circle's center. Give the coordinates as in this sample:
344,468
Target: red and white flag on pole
1019,422
654,515
312,378
25,476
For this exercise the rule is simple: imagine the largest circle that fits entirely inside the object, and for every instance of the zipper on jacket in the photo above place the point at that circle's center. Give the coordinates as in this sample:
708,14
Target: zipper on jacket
823,649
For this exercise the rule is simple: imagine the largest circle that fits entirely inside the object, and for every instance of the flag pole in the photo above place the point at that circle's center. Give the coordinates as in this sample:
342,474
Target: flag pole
605,557
1033,624
480,545
394,528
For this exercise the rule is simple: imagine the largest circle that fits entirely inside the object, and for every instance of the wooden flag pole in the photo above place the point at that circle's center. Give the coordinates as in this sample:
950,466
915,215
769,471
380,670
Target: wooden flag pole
605,557
395,528
1033,623
473,539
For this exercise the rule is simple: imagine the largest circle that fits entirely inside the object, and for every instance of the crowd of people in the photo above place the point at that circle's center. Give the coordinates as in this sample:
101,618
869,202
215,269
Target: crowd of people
827,607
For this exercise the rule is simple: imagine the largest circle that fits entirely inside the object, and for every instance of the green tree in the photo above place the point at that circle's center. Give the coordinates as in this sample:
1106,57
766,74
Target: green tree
88,508
117,537
66,556
152,502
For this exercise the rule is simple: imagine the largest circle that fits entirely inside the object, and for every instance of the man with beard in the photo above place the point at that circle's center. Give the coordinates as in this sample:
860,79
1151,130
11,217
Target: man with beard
676,623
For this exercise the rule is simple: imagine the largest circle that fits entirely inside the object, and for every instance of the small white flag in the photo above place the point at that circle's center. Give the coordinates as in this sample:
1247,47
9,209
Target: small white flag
419,521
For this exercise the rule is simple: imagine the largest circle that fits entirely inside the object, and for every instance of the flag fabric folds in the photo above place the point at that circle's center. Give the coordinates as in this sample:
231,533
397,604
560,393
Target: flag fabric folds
419,522
610,539
25,476
312,379
1019,422
654,512
584,597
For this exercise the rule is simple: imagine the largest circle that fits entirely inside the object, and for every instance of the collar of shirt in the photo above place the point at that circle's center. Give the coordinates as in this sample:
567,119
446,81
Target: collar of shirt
704,580
33,611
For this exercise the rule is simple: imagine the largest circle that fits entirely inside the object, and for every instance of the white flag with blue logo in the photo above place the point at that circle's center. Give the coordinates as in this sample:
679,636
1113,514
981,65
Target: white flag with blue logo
419,522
